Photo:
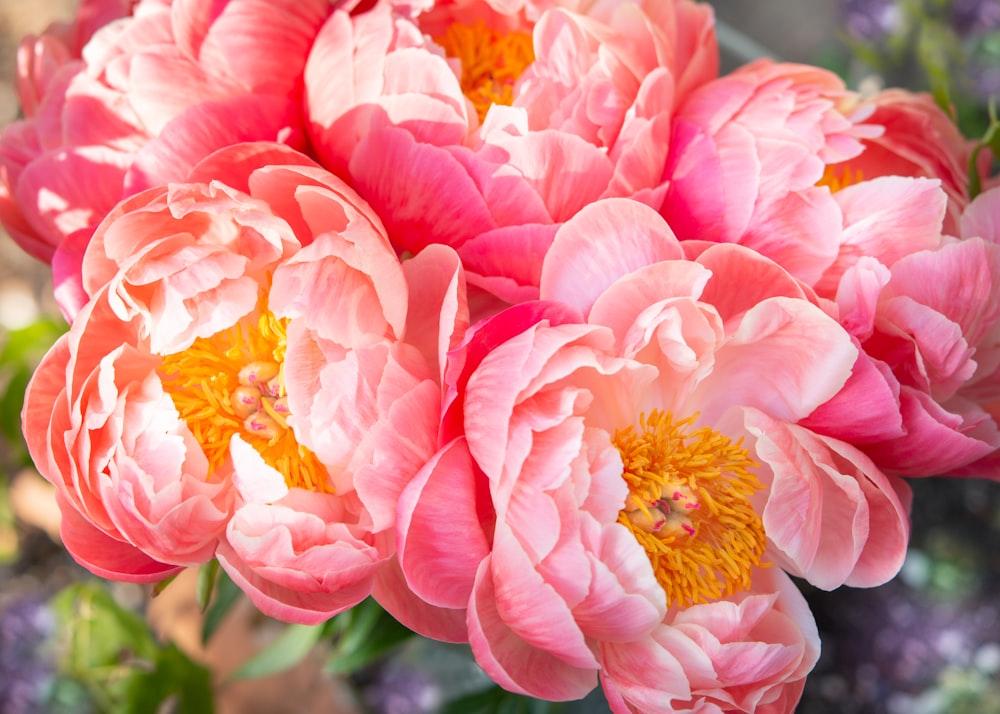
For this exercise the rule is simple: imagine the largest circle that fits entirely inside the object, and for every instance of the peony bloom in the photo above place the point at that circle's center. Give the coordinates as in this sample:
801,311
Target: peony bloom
925,308
918,140
151,95
254,375
748,159
621,465
484,125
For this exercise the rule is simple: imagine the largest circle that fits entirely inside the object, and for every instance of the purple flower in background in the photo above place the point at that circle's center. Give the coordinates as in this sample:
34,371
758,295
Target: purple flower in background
25,624
975,17
985,75
400,688
870,20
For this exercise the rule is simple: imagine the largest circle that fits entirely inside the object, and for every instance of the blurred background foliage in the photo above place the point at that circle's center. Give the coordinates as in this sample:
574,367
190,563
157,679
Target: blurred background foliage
926,643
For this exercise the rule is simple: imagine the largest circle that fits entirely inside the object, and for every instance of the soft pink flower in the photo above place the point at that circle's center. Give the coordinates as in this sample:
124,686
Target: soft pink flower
925,308
748,157
254,378
919,140
645,372
40,58
152,95
421,126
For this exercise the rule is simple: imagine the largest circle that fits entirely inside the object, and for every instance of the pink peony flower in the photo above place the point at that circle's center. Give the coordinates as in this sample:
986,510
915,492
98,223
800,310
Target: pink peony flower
152,95
255,375
621,464
925,308
919,140
747,161
484,125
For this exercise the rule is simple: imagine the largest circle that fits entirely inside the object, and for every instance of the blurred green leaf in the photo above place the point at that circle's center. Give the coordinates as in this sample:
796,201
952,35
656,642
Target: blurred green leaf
498,701
162,585
20,352
174,677
366,633
206,583
27,345
287,650
102,645
226,594
990,142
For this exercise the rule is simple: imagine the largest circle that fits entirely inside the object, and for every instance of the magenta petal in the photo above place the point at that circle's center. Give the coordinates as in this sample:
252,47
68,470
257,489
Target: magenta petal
937,441
865,410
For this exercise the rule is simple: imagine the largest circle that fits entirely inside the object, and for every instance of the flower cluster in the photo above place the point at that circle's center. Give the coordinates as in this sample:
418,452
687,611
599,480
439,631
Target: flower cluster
515,314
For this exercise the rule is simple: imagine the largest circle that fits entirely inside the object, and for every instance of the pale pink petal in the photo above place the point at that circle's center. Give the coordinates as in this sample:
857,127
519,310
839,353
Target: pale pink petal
600,244
513,663
831,514
774,362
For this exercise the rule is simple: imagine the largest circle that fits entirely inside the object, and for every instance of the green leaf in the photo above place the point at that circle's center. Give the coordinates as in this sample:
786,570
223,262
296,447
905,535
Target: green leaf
370,633
206,583
990,142
484,702
27,345
175,677
290,648
226,594
162,585
102,645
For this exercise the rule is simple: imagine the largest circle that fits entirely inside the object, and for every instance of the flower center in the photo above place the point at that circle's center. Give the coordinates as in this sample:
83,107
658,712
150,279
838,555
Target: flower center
233,383
838,176
491,62
689,507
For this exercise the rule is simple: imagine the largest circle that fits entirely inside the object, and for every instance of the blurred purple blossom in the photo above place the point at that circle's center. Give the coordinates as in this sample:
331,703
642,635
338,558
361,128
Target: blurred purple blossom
870,20
26,624
975,17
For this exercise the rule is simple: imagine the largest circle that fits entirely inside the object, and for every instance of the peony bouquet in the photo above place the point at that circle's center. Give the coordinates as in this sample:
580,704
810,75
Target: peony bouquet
515,315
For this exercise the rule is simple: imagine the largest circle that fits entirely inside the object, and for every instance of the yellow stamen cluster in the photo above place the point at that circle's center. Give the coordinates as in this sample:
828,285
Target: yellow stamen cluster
838,176
689,507
233,383
492,62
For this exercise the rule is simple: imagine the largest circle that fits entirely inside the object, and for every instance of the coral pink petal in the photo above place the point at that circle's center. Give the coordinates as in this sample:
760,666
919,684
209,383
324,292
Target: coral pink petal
481,341
786,358
422,192
440,530
530,606
205,127
393,593
937,441
88,179
866,410
621,305
960,280
438,311
741,278
233,165
513,663
600,244
508,261
830,511
106,556
982,217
